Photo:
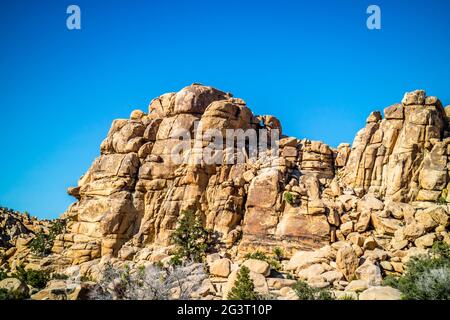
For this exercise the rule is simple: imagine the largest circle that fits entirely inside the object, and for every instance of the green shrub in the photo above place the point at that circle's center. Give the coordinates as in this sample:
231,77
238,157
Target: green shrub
3,275
258,255
290,276
426,277
290,198
279,253
244,288
347,297
190,237
86,279
10,295
35,278
306,292
174,261
443,197
59,276
43,242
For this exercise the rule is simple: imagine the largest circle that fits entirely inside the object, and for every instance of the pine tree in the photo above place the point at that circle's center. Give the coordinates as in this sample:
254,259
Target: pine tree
190,237
244,288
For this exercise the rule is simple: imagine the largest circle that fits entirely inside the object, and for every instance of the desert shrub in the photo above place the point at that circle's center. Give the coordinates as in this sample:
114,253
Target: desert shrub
441,200
3,275
290,198
190,237
35,278
426,277
174,261
258,255
43,242
59,276
149,283
11,295
290,276
347,297
443,197
244,288
306,292
85,278
279,253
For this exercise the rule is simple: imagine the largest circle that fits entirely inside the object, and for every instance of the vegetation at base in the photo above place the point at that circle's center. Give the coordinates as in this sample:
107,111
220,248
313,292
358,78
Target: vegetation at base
427,277
43,242
347,297
273,261
190,238
148,283
244,288
11,295
35,278
306,292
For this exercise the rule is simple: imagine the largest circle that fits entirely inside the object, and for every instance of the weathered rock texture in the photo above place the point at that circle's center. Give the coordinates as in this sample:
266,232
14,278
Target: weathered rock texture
376,202
133,193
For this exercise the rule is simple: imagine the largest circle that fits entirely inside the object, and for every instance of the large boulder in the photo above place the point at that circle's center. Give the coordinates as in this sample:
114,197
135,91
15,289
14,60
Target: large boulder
380,293
220,268
258,266
347,261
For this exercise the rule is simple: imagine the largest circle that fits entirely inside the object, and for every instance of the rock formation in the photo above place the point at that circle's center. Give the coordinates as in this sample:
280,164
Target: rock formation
380,200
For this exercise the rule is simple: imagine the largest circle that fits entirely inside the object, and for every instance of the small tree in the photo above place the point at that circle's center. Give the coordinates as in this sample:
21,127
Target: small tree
306,292
244,288
43,242
190,237
35,278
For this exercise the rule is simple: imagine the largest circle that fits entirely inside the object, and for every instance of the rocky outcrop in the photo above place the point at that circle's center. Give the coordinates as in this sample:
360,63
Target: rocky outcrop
376,202
402,157
16,231
310,195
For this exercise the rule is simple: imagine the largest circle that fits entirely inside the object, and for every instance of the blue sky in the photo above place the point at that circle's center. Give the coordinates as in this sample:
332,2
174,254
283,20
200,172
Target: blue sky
313,64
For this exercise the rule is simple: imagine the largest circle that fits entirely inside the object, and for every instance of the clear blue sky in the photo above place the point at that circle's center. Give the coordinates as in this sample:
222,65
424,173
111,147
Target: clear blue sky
313,64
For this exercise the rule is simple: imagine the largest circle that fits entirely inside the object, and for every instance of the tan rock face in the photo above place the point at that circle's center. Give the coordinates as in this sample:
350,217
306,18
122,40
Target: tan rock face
380,191
380,293
220,268
258,266
401,157
347,261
